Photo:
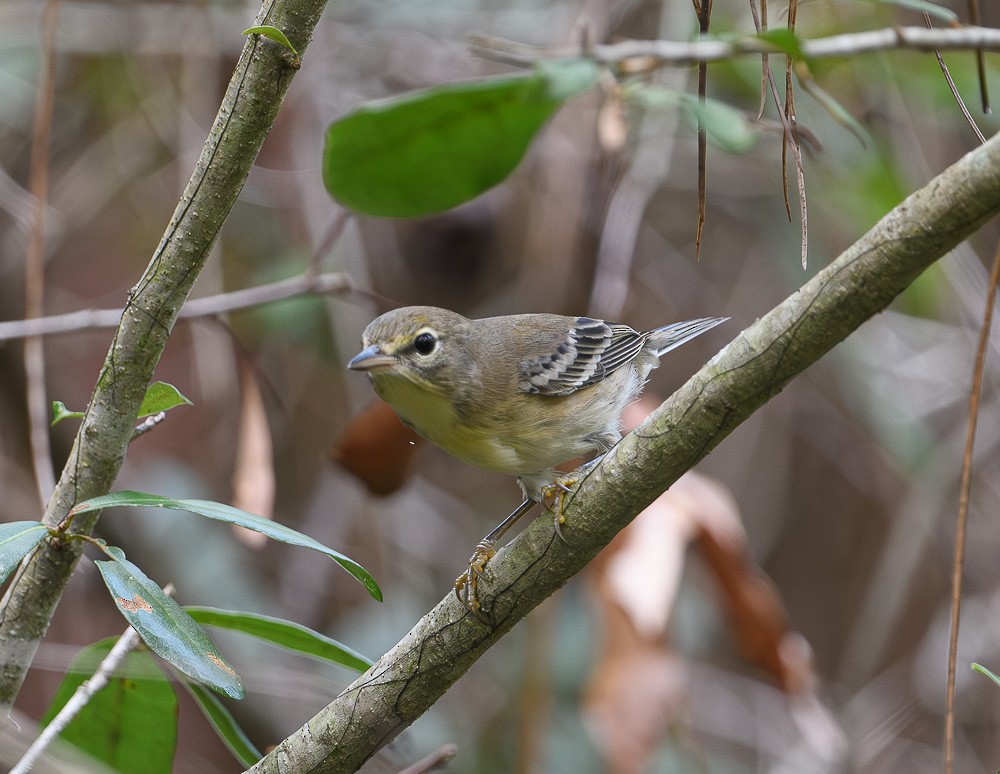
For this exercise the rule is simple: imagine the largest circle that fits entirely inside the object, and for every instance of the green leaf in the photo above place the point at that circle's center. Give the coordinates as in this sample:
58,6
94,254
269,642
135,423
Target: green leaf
431,150
227,513
984,671
273,33
60,412
131,723
165,627
286,634
225,725
725,126
17,539
161,396
923,6
784,40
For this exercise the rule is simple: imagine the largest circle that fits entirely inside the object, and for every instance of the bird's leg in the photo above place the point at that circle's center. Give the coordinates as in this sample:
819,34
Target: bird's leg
467,584
553,495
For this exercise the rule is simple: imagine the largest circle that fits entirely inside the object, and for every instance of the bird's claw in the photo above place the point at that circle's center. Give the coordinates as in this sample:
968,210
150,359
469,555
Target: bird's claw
467,584
554,496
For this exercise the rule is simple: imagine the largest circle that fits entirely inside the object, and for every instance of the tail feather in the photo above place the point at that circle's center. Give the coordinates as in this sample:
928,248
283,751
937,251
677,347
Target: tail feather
672,336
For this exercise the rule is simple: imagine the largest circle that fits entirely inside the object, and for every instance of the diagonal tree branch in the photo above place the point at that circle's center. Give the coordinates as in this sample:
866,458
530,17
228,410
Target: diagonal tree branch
255,93
408,679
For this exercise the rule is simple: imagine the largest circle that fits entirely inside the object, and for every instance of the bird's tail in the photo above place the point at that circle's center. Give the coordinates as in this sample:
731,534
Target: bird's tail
672,336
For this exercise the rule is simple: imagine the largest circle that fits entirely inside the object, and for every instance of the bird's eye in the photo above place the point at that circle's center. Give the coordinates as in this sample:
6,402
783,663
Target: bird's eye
425,343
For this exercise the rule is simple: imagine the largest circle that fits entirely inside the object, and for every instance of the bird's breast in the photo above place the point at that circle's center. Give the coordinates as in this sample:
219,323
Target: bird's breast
435,417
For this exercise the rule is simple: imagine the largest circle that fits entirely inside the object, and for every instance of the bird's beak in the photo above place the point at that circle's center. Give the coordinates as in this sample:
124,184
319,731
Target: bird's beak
370,359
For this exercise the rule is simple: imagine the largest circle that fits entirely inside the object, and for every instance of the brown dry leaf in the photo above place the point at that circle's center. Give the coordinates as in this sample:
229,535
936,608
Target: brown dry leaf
612,129
638,684
377,448
253,471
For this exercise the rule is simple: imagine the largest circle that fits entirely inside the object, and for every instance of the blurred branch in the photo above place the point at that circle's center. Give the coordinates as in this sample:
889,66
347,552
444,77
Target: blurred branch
682,52
34,264
252,99
755,367
89,319
961,520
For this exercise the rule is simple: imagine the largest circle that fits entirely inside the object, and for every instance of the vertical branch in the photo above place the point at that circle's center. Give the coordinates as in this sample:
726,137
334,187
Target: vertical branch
963,515
34,265
704,8
255,92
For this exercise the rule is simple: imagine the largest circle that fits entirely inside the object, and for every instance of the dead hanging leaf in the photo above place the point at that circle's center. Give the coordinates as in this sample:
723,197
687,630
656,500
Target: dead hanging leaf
253,471
377,448
612,129
638,685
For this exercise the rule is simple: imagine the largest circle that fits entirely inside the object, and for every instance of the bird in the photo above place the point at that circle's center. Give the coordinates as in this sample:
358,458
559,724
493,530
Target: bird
517,394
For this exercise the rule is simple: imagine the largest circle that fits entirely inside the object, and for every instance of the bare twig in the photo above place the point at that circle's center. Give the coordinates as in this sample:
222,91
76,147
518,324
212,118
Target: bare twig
963,515
34,275
984,92
954,89
89,319
434,761
684,52
125,645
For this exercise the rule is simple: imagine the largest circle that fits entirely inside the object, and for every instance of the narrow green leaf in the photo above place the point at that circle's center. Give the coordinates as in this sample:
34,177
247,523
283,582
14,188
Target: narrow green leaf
225,724
227,513
725,126
161,396
60,412
17,539
131,723
166,628
923,6
984,671
431,150
285,634
273,33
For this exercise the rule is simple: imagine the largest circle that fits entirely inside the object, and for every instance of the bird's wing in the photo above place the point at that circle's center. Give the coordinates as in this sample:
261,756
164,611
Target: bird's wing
591,351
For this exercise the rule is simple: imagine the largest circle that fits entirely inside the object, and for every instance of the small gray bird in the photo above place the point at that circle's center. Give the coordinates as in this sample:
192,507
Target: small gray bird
518,394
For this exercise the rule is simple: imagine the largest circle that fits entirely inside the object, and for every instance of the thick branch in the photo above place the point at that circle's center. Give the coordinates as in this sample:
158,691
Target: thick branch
255,92
686,52
746,374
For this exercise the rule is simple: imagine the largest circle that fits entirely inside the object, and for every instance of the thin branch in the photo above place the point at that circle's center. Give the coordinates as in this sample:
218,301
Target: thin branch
984,92
963,513
34,275
125,645
953,88
755,367
91,319
684,53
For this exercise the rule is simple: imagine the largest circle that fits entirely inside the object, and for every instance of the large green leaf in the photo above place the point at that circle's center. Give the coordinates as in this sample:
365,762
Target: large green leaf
131,723
225,725
285,634
165,627
17,538
227,513
431,150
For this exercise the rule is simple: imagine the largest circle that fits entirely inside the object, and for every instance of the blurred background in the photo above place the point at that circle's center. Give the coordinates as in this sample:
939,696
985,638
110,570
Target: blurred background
786,610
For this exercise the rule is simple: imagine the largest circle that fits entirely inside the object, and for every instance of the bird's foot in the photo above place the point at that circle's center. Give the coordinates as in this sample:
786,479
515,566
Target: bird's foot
554,494
467,584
